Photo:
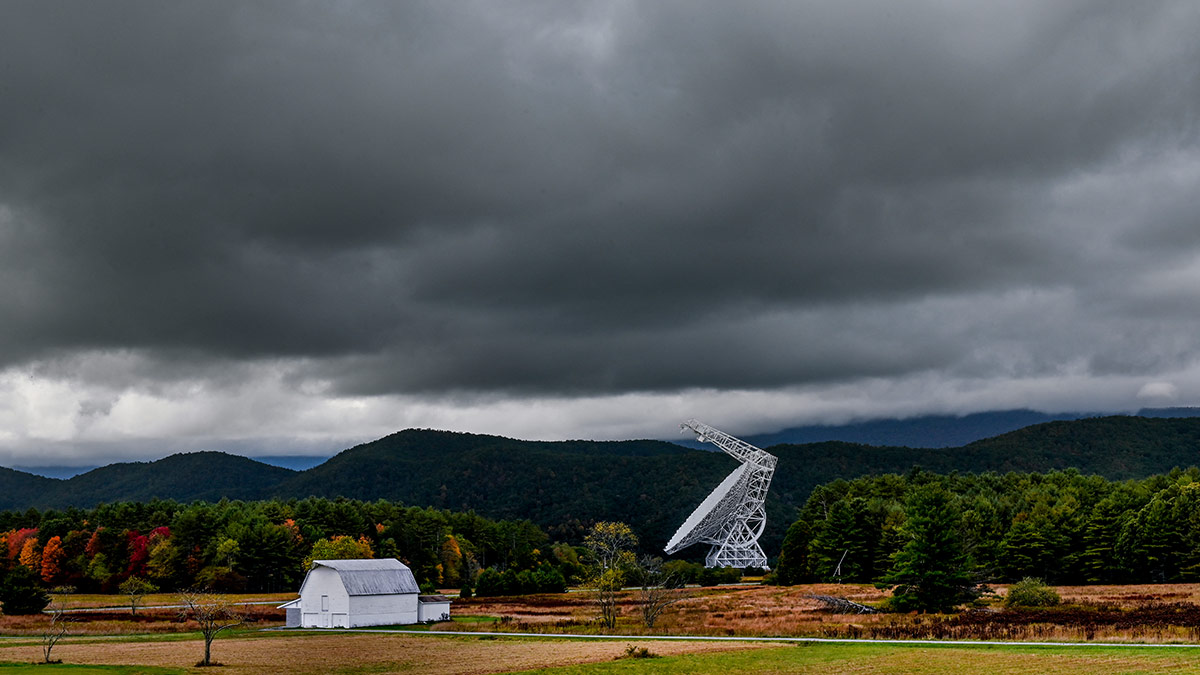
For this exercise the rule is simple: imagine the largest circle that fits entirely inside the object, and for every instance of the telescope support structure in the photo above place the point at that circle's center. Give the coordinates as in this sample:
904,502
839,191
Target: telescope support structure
735,542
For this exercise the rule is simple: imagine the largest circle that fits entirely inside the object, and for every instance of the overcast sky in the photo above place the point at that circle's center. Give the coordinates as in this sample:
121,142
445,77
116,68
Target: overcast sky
287,227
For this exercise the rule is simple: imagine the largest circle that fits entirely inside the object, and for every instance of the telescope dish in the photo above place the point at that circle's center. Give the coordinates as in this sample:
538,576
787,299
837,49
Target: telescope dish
706,521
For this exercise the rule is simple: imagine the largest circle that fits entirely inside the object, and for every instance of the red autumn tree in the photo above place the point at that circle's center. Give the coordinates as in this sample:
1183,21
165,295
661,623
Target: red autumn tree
139,553
52,560
16,542
93,544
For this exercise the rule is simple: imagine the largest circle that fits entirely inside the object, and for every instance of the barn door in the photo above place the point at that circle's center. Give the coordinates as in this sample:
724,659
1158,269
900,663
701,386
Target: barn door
324,611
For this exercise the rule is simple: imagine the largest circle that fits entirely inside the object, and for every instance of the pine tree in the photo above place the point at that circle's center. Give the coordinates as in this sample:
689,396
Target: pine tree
1098,560
793,565
930,572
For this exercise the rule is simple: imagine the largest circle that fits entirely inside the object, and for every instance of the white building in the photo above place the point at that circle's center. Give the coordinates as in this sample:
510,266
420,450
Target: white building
353,593
433,608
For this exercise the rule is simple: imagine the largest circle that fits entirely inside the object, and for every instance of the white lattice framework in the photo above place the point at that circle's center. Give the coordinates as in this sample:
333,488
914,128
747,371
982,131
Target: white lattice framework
732,517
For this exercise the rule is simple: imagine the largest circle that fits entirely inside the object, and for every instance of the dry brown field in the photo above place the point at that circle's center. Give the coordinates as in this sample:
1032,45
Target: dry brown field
305,653
82,600
122,622
1144,613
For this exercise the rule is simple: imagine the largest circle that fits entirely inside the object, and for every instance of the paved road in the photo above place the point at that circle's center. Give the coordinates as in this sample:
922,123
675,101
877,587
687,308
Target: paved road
717,638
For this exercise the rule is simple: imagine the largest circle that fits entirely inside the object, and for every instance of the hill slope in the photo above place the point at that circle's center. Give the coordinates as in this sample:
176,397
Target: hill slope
926,431
185,477
565,486
19,490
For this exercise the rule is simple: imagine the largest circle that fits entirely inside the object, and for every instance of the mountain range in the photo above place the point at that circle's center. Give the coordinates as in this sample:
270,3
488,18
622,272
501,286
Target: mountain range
565,486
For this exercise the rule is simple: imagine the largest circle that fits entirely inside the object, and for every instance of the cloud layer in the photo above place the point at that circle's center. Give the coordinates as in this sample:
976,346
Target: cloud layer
308,224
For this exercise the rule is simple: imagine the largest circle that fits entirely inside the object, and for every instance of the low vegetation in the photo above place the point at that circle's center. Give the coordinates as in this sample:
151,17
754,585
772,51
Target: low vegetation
1031,592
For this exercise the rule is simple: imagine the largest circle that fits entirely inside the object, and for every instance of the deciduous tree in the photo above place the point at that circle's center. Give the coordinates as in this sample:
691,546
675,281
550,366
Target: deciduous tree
136,589
610,552
214,613
52,560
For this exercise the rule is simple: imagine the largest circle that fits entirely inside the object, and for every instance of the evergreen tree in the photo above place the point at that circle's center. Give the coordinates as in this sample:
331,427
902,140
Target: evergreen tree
20,592
845,544
1025,552
930,572
793,565
1098,560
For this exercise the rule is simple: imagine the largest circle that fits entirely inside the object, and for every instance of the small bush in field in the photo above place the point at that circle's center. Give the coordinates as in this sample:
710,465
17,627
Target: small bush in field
632,652
1031,592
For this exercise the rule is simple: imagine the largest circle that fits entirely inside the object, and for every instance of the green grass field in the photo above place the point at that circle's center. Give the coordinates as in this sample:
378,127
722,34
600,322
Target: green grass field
68,669
884,659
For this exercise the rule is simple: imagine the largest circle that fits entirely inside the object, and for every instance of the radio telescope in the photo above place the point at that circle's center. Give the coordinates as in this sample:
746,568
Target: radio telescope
731,517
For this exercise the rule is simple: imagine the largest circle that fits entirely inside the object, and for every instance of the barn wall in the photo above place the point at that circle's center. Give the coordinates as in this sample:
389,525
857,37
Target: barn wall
324,581
434,611
383,610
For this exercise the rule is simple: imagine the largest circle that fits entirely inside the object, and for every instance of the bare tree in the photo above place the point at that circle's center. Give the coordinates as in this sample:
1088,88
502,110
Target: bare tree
55,630
659,588
137,589
213,612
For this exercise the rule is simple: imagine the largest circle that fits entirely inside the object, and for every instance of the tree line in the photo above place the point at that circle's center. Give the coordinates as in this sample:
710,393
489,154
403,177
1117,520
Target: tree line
263,545
1061,526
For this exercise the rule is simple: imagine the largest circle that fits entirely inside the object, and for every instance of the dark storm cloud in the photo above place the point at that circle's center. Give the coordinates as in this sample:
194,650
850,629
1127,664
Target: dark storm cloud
593,198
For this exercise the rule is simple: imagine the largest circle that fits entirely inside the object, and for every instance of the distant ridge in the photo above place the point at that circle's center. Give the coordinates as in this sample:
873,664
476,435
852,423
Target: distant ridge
208,476
926,431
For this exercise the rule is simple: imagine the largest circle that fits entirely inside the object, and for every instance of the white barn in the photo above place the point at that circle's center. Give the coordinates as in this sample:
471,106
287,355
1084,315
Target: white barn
353,593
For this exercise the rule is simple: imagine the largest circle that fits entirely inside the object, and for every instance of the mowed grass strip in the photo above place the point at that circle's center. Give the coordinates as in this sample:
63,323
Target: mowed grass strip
889,659
69,669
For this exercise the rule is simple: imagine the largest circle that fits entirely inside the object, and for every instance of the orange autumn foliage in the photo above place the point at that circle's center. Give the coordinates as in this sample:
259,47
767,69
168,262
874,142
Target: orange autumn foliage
53,556
31,555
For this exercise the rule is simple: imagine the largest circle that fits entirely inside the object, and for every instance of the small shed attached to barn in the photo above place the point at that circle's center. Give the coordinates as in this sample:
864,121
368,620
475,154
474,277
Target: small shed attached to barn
433,608
353,593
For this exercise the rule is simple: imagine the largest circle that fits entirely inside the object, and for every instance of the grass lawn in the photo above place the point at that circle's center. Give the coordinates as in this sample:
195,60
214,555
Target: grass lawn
364,653
882,659
70,669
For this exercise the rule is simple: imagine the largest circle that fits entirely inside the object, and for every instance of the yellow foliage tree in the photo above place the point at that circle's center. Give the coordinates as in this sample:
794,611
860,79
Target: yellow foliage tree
341,547
452,562
31,555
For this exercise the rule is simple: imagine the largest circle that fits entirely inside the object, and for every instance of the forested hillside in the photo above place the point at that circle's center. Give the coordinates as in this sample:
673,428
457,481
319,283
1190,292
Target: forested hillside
565,486
1063,527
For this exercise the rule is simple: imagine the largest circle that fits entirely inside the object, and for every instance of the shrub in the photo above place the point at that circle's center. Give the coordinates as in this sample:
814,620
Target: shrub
632,652
686,572
714,576
1031,592
488,584
21,594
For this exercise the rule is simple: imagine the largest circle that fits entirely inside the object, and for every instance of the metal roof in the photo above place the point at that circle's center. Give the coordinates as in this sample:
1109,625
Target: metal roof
386,576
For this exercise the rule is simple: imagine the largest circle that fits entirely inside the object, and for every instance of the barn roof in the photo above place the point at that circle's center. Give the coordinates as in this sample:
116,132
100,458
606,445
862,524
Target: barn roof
386,576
